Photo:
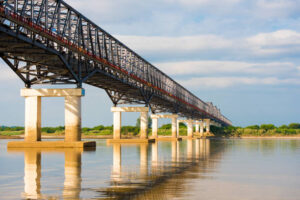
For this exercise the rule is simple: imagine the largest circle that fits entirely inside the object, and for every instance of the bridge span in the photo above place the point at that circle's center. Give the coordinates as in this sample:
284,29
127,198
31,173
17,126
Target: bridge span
49,42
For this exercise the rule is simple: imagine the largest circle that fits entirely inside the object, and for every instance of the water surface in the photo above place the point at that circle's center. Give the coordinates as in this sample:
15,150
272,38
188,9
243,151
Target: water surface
190,169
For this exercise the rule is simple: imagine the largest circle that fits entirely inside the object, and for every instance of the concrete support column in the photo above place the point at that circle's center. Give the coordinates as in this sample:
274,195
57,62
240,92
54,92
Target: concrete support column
201,128
144,125
174,127
190,128
207,125
117,125
32,118
154,126
33,112
197,128
178,133
72,118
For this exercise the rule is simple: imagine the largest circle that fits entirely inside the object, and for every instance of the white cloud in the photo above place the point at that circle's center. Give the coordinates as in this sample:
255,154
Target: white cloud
281,43
224,82
171,44
228,67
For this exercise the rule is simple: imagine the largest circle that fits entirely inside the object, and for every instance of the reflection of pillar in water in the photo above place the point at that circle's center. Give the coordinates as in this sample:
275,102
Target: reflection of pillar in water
154,153
202,148
117,160
174,151
154,157
144,159
189,148
197,147
207,147
32,174
72,184
178,151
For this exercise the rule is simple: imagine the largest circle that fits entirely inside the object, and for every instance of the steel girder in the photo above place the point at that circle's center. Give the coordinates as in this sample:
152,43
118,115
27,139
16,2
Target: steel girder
49,42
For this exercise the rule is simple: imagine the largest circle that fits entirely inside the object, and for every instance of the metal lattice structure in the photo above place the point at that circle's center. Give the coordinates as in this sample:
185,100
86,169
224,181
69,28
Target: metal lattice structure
49,42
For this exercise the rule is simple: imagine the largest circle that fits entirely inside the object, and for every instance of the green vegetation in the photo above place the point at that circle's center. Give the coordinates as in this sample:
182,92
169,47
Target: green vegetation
292,129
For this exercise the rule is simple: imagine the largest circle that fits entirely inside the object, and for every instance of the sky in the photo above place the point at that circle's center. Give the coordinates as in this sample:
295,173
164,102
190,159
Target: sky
242,55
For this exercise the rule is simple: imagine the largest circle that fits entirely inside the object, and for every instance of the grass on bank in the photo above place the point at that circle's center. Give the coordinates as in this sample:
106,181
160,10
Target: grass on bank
292,129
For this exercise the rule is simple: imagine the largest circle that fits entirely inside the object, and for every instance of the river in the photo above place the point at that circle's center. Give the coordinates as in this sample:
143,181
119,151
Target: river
188,169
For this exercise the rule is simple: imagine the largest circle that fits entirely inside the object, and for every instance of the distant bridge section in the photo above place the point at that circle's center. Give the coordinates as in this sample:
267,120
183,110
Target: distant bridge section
49,42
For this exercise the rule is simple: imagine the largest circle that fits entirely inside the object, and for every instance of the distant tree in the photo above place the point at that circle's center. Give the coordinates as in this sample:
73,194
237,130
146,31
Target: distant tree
253,127
182,125
283,127
267,126
99,128
138,122
294,125
166,126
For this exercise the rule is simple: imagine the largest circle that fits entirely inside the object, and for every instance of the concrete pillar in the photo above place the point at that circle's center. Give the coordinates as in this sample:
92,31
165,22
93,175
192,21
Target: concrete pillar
144,125
72,184
33,112
32,118
72,118
117,124
190,128
154,126
178,133
174,127
201,128
197,128
207,125
32,174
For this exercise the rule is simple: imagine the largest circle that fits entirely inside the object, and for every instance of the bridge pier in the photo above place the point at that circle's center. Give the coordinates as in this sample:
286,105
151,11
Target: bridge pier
197,127
201,128
155,118
190,128
33,119
117,114
207,125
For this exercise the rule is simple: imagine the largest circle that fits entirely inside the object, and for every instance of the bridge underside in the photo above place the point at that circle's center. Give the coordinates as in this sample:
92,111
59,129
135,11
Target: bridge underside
36,63
49,42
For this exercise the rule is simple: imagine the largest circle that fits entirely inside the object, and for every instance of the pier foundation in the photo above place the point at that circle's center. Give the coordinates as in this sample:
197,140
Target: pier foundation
117,113
33,119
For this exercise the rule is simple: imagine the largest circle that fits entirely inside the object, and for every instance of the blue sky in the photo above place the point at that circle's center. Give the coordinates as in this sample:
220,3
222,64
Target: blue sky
243,55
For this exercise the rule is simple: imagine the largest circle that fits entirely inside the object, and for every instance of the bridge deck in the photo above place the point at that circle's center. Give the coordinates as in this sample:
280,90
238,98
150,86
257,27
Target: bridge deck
49,42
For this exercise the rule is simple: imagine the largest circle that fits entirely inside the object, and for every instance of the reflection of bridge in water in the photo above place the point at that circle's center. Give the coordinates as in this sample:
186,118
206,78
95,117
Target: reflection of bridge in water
160,166
158,173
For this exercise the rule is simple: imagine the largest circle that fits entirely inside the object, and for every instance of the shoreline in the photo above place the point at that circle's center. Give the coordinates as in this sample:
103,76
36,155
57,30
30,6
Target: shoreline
131,137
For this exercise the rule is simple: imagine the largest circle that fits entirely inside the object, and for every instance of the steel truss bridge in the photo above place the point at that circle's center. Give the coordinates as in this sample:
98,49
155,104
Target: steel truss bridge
49,42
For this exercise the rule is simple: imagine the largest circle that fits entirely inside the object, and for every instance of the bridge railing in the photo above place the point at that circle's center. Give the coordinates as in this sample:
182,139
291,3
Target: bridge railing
71,32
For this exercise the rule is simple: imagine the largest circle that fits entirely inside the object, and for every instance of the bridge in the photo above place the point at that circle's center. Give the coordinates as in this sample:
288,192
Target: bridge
49,42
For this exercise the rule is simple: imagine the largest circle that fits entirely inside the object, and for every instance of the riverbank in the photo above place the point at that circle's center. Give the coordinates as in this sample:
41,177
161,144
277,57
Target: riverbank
134,137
